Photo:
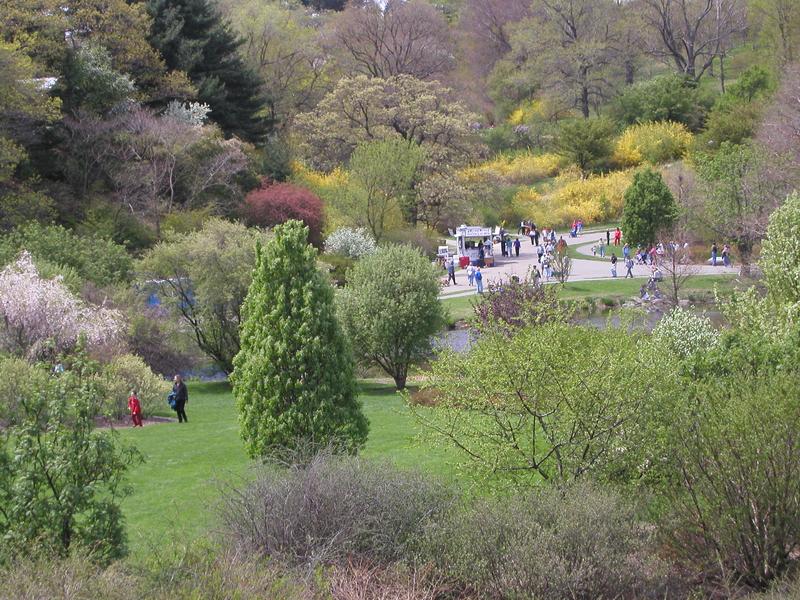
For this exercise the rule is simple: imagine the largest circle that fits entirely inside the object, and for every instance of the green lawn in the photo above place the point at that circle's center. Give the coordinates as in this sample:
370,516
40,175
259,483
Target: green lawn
176,490
460,308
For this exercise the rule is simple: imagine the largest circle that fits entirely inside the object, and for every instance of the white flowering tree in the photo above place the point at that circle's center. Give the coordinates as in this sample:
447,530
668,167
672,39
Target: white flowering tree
41,317
353,243
684,333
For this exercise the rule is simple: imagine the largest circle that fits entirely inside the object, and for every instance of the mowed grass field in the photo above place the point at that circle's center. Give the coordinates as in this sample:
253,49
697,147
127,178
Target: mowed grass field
177,490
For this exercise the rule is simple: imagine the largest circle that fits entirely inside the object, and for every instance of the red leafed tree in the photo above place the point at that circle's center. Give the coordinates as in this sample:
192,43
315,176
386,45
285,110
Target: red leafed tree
275,203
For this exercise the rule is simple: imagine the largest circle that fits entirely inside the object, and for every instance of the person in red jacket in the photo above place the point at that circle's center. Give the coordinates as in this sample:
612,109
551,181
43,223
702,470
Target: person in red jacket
136,409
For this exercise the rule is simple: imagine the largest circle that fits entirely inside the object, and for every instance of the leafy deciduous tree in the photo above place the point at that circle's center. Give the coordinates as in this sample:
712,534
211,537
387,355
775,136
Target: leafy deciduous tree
276,203
204,277
586,142
390,309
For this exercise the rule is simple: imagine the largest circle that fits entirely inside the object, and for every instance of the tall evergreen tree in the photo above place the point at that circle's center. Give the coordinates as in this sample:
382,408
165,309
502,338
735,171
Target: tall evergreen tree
649,208
193,37
293,378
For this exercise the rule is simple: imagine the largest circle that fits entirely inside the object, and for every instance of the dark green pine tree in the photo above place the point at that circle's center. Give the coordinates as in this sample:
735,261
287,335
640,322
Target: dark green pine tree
193,37
293,377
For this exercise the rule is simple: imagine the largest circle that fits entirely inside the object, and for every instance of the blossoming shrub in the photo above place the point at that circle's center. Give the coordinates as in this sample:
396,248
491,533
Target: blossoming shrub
275,203
652,142
522,168
349,242
127,373
683,333
328,186
41,317
593,200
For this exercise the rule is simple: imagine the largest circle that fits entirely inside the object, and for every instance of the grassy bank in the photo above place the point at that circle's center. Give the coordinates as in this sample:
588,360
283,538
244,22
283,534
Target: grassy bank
175,491
610,292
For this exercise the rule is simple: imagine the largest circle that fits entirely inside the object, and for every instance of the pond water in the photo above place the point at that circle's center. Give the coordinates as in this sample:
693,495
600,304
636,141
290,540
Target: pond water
460,340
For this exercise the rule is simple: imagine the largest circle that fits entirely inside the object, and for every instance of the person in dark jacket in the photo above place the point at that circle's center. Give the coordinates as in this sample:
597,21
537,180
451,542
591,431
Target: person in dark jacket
181,398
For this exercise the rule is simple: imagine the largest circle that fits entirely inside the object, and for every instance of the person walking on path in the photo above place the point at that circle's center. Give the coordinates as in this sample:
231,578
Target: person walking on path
181,398
479,280
714,254
517,246
629,267
726,256
136,409
540,252
470,275
451,270
613,264
608,237
535,235
509,247
562,244
626,250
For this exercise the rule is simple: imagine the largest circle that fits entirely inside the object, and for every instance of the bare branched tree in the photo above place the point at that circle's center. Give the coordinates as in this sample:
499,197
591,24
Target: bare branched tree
399,38
676,264
692,34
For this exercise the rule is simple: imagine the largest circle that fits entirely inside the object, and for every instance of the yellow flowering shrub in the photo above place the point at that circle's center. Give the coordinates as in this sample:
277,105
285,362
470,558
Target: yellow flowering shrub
521,168
594,199
331,187
652,142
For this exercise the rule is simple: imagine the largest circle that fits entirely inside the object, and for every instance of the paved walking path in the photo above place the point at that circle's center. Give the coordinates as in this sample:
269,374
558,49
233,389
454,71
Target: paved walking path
582,270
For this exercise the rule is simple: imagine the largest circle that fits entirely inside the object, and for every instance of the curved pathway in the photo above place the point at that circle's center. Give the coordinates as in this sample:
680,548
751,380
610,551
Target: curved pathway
582,269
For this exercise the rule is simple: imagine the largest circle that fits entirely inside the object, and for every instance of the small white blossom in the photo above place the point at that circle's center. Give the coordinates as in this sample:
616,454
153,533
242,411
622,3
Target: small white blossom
684,333
353,243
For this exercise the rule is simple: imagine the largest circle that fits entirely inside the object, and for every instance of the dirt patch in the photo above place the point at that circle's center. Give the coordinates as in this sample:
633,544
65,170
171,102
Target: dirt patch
423,397
106,423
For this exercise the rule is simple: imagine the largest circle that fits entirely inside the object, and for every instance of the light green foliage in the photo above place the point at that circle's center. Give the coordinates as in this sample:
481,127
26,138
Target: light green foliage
726,439
780,253
293,378
128,373
91,83
22,206
91,257
382,174
60,478
361,109
684,333
204,276
19,382
649,208
390,309
586,142
737,194
555,401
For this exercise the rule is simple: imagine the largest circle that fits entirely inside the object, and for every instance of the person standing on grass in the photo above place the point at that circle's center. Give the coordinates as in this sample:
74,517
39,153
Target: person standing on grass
602,248
608,237
136,409
626,250
181,398
479,280
629,267
451,270
617,236
517,246
613,264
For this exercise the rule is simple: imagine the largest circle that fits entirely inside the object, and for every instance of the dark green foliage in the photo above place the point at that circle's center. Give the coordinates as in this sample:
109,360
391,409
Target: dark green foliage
92,257
649,209
325,4
293,378
586,142
663,98
60,478
193,37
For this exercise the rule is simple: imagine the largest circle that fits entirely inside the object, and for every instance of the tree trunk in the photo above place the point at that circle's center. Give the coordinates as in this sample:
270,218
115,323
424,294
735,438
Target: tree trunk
400,379
722,72
585,102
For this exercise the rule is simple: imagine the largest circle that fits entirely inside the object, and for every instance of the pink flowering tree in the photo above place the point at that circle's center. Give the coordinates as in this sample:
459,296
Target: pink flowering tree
41,317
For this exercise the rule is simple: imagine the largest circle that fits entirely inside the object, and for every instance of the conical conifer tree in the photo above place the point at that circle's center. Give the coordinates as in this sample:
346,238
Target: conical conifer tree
193,37
293,378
